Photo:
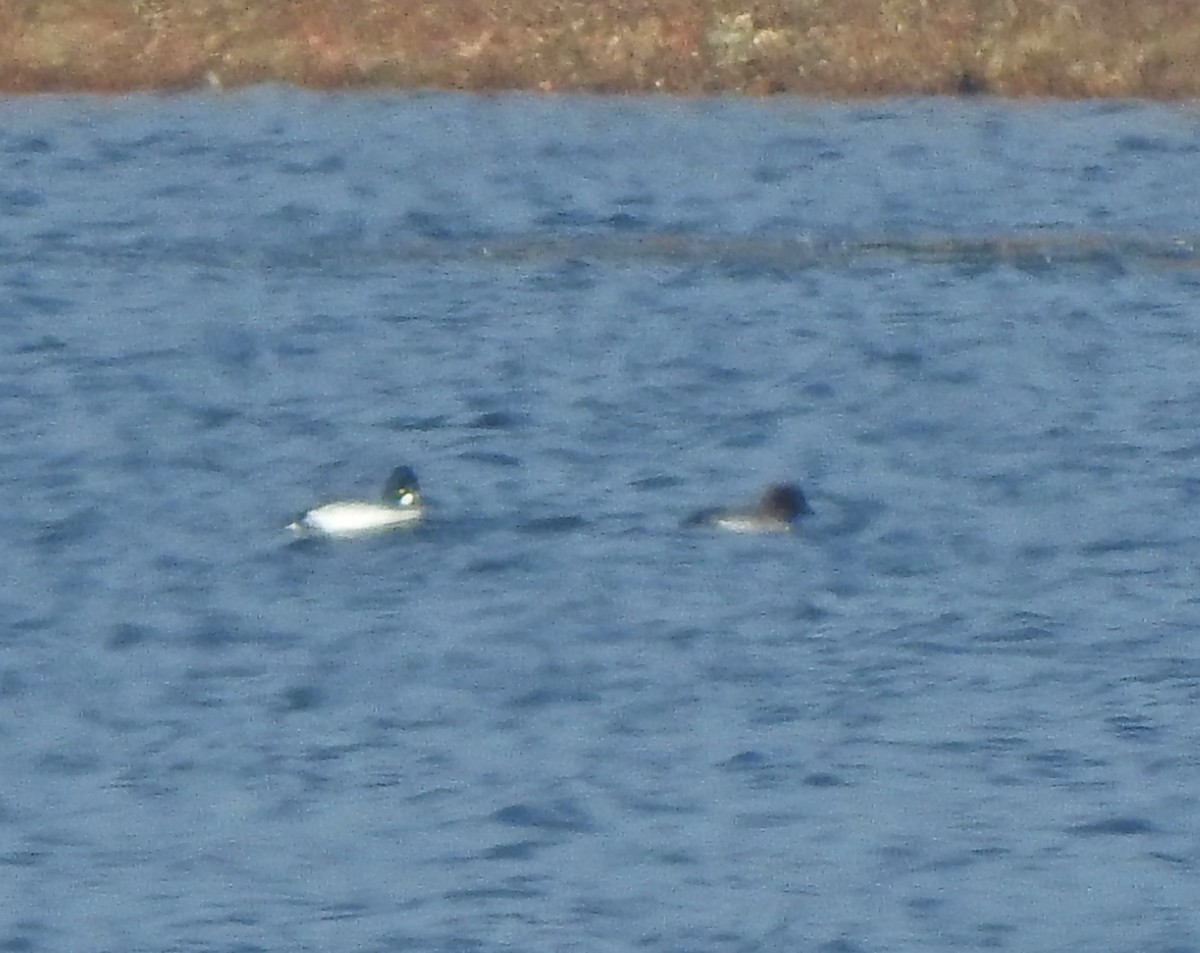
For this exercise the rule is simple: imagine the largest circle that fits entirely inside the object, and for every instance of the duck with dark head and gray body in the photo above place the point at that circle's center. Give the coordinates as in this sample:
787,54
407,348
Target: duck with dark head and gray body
780,505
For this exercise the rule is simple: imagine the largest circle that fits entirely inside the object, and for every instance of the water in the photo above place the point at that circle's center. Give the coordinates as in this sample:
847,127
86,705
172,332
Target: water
956,711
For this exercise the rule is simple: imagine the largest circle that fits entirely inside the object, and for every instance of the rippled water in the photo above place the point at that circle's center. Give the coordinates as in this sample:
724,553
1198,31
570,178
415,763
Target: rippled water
956,711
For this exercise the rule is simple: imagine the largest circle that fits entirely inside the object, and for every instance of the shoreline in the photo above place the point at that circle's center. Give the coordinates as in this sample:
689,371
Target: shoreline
853,49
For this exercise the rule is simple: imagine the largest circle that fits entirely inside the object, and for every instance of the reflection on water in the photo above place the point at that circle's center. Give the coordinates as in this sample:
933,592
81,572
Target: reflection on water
1066,249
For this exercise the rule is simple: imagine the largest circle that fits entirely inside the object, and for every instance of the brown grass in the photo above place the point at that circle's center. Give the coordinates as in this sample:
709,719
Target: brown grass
817,47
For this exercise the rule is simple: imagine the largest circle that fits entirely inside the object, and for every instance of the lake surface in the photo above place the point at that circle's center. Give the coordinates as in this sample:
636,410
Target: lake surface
956,710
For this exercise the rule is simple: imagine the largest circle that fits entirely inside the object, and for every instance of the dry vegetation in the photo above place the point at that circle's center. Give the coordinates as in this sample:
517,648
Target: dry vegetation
819,47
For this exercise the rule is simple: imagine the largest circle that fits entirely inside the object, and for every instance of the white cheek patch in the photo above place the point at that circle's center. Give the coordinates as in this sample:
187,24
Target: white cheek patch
408,499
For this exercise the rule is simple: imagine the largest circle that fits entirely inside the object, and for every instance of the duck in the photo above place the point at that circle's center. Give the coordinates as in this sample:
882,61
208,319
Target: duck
775,512
400,506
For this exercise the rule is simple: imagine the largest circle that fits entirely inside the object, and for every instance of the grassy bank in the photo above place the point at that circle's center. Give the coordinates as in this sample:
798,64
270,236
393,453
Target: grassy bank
816,47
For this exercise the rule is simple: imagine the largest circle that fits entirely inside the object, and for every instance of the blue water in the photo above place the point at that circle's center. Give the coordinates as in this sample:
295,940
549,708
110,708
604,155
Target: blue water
956,711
